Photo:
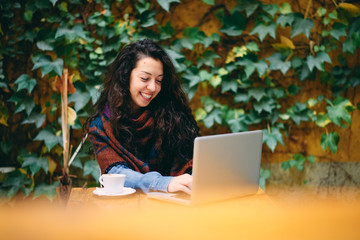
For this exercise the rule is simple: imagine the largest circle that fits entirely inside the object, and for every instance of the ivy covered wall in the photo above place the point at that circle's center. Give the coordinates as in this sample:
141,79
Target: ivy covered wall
290,68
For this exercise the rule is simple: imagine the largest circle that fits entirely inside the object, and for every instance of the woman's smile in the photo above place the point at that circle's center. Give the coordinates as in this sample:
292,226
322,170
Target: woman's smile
145,81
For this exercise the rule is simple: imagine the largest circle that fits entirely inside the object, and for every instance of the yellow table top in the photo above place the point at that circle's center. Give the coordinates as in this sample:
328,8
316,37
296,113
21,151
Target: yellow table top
135,216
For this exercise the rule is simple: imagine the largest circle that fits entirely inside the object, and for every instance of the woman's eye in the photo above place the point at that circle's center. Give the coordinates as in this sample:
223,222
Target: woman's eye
159,81
145,79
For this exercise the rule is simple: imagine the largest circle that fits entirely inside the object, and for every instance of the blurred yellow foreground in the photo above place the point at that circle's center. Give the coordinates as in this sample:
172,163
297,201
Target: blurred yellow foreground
136,217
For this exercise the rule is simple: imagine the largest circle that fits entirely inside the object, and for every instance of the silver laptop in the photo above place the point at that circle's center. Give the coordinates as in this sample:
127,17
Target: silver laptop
225,166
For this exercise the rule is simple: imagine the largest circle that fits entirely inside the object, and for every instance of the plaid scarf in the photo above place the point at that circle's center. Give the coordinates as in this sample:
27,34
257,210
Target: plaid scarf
109,152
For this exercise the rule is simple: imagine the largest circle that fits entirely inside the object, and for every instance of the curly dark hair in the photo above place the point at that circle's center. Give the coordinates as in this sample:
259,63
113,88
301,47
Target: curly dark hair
175,126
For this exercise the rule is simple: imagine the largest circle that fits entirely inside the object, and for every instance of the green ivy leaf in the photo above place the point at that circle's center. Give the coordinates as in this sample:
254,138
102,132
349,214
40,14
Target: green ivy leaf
28,15
349,46
209,103
277,63
257,93
339,110
47,65
212,117
261,67
71,34
207,59
44,46
311,159
142,6
293,89
22,103
48,190
49,137
271,9
297,161
16,181
24,82
165,4
81,97
299,112
248,6
35,117
229,85
265,105
241,97
330,140
147,19
166,31
234,24
92,167
262,30
53,2
6,146
210,2
338,30
333,15
236,120
301,25
273,138
264,175
318,61
285,20
35,163
194,35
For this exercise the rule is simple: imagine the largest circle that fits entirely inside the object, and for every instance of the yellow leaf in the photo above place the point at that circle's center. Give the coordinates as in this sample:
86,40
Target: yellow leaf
230,57
287,42
323,121
240,51
279,46
284,116
71,117
52,165
239,112
83,42
223,71
351,8
58,150
200,114
215,81
3,120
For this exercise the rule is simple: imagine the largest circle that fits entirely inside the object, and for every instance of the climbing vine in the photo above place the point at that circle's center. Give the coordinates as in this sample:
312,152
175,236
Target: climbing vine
249,74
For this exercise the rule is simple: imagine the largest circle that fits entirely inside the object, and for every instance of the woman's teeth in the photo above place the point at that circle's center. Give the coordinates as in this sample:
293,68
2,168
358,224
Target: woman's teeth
145,95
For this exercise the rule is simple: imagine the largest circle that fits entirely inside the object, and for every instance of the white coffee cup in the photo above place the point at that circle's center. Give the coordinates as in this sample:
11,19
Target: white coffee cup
113,183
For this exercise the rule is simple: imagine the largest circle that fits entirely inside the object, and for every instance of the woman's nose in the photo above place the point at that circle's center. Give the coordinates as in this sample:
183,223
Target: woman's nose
151,85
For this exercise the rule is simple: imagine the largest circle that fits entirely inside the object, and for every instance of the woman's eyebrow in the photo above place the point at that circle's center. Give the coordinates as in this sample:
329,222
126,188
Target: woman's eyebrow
151,74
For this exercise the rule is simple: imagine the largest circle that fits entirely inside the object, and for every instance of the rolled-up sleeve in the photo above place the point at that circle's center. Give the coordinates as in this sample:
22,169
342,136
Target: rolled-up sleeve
144,181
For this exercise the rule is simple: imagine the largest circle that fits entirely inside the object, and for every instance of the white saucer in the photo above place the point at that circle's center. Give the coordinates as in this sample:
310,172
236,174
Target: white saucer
102,192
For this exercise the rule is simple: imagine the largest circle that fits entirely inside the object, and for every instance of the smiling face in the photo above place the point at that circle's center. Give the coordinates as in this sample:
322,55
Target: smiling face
145,81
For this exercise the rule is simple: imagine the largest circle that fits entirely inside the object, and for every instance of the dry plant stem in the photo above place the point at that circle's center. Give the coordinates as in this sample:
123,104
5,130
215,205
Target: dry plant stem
64,125
77,149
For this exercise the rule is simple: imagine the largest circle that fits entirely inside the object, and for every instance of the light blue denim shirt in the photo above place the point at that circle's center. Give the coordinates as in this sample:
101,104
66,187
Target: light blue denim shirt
146,182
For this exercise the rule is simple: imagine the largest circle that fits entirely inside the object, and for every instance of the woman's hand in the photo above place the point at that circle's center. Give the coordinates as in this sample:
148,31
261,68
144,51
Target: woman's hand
181,183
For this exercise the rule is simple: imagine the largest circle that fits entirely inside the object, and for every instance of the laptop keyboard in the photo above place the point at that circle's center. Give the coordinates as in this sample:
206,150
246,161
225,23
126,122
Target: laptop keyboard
182,195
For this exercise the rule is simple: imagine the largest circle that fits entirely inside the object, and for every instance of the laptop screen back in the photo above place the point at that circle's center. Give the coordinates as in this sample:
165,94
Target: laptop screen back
226,166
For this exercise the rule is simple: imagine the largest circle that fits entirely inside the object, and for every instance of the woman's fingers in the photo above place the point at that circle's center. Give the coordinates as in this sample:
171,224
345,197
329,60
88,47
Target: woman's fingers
181,183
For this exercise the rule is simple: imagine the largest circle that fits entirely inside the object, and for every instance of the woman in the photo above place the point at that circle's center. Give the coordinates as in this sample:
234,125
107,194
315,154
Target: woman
143,126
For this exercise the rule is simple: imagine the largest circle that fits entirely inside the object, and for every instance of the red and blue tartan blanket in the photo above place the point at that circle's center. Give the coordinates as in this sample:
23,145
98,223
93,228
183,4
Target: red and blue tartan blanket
109,151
